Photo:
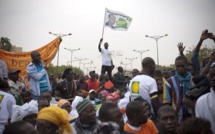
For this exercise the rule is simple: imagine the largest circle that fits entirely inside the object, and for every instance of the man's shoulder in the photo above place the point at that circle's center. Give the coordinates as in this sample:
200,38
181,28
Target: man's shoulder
143,77
7,96
203,98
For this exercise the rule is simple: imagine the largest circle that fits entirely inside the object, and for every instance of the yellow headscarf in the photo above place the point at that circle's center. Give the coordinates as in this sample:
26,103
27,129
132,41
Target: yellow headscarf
61,102
56,116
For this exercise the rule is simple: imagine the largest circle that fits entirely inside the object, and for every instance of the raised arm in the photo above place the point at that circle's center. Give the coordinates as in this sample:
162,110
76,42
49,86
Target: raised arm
99,47
181,48
195,56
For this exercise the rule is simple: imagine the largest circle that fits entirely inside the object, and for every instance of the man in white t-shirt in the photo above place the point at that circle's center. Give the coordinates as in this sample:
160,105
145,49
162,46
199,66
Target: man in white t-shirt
145,86
107,62
6,103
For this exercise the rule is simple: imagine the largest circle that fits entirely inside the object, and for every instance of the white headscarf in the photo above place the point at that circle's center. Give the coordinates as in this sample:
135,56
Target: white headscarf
74,104
19,112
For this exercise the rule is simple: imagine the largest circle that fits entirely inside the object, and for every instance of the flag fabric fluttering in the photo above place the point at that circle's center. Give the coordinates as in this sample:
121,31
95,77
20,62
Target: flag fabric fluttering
116,20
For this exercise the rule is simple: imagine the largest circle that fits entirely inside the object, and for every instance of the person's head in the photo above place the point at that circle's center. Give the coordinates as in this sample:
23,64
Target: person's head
110,111
27,112
47,95
146,105
86,77
106,45
20,127
64,104
120,69
42,103
181,65
92,74
96,76
195,126
81,78
135,72
59,76
136,113
148,65
52,119
212,76
92,94
4,86
87,112
167,119
106,77
112,18
68,74
192,69
52,77
36,57
13,75
31,118
159,85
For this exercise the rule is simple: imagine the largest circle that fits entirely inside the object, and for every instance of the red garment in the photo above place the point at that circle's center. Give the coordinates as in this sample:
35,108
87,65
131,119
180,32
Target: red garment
93,84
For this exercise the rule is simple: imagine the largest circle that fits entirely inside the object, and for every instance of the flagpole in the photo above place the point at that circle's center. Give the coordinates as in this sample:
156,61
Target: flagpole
104,23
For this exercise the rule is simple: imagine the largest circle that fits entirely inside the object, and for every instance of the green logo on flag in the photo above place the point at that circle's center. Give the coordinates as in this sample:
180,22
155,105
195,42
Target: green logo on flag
121,23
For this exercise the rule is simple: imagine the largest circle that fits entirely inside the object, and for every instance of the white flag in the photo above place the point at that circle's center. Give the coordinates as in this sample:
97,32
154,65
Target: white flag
116,20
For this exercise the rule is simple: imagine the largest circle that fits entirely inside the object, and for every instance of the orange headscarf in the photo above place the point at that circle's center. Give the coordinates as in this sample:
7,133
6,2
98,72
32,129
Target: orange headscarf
56,116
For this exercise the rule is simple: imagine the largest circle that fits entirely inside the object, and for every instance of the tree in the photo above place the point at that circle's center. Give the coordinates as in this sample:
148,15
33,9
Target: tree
5,44
203,53
53,70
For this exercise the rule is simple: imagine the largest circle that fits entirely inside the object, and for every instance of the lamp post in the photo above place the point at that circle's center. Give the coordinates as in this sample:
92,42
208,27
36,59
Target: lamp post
71,51
131,59
141,53
156,38
59,35
79,59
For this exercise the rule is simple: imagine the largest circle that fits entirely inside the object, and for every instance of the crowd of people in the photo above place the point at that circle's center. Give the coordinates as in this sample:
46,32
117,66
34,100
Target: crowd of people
150,101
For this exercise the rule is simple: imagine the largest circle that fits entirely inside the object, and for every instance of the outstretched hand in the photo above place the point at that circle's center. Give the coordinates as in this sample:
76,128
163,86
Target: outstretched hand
204,35
181,47
211,36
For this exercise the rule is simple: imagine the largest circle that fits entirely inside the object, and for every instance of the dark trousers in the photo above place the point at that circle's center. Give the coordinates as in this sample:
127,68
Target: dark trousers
107,69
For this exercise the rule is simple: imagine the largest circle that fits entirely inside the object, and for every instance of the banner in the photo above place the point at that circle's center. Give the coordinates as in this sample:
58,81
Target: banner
21,60
116,20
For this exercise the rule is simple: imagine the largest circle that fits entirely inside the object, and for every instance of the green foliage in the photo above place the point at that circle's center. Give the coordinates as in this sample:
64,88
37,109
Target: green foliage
5,44
164,68
203,53
53,69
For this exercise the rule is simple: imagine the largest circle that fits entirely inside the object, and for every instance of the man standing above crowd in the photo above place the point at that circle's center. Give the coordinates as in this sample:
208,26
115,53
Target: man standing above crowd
107,62
38,76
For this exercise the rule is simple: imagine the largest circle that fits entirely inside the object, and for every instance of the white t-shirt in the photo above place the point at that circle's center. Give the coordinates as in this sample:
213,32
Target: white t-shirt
106,57
142,85
6,103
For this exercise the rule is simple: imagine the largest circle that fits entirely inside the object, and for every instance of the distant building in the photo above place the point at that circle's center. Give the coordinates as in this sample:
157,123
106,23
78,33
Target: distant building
16,49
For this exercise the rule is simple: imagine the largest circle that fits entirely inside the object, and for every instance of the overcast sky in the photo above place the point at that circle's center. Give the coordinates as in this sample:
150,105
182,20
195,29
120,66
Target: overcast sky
27,23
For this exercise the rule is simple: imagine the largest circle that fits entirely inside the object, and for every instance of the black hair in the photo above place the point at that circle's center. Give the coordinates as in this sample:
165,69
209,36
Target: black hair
42,99
147,61
133,108
165,108
66,71
14,128
32,53
3,84
181,58
158,73
195,126
104,110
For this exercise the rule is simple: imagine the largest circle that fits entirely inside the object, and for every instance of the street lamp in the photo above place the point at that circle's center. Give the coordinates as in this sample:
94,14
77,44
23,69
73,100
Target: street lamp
59,35
156,38
79,59
131,59
71,51
141,53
